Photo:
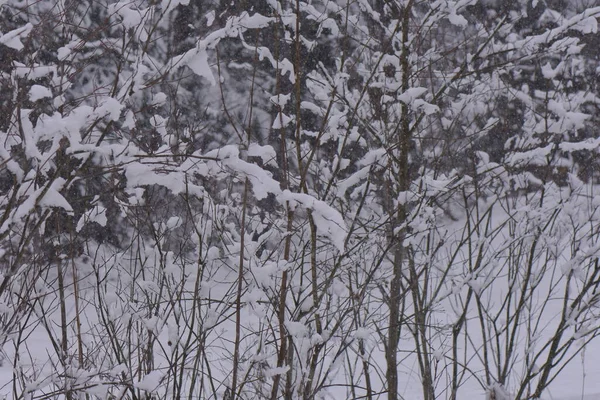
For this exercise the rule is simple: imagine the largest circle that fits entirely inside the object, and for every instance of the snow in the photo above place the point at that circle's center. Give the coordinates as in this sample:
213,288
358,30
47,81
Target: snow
254,21
167,291
159,99
38,92
150,382
96,214
13,38
305,338
587,26
266,153
296,329
280,100
210,18
330,223
457,20
198,63
362,334
551,73
427,108
588,144
411,94
138,174
34,72
174,222
131,18
281,121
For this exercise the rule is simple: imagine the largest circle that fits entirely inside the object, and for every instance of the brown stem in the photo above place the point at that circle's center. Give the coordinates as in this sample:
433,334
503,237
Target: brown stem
238,298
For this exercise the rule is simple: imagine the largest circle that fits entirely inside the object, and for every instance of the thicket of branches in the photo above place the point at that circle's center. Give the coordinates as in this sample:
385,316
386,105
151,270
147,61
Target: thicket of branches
296,199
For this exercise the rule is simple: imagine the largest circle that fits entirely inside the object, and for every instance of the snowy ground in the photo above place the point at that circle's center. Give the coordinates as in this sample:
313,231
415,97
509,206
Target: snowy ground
579,381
